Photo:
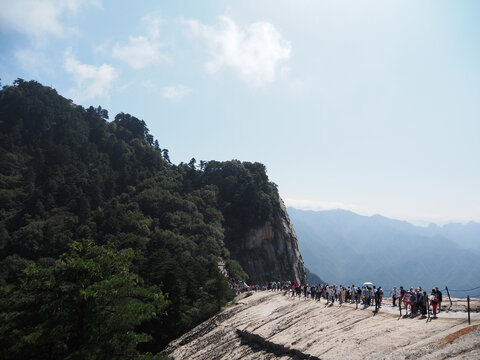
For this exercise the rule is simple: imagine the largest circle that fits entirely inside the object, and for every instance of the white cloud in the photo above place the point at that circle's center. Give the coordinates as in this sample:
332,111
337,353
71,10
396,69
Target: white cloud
139,53
91,81
142,51
153,22
252,52
175,92
324,205
172,93
40,18
33,61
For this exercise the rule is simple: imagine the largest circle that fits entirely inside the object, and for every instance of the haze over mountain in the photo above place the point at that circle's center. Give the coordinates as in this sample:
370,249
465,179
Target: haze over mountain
346,248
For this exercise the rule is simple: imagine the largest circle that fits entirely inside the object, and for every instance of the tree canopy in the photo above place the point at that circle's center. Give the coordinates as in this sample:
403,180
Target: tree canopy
67,174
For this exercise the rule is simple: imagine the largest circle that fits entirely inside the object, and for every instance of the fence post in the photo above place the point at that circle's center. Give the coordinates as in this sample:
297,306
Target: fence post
468,309
449,298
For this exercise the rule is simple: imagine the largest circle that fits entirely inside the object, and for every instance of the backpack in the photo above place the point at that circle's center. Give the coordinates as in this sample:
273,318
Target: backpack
434,301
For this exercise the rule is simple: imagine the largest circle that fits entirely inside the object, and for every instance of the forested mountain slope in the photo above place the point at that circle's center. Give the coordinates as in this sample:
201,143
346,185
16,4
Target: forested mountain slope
67,174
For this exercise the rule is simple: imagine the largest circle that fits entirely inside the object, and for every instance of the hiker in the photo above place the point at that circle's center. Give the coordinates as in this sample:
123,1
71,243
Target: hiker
394,294
434,303
424,304
416,301
380,296
377,300
365,297
406,301
413,302
402,294
340,294
371,295
299,291
331,294
353,294
439,297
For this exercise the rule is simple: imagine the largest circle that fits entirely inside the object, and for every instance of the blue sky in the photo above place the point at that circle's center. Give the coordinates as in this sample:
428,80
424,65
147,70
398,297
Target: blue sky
371,106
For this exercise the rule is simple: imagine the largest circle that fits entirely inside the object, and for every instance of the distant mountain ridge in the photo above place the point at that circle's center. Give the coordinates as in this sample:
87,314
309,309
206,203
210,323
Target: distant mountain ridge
346,248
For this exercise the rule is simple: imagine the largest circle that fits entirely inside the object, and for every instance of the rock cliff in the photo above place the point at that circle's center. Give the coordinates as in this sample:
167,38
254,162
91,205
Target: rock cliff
268,325
270,252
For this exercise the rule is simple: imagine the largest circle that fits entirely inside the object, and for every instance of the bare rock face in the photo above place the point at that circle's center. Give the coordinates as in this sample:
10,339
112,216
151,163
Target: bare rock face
269,325
270,252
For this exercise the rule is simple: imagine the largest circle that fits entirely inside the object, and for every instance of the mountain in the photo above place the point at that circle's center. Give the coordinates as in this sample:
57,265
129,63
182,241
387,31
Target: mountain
269,325
97,223
466,235
346,248
270,251
312,278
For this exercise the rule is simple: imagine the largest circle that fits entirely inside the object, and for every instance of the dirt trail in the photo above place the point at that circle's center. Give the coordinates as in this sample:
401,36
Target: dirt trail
269,325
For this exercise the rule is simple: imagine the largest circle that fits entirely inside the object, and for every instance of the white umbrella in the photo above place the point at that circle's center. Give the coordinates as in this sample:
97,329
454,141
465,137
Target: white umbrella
367,283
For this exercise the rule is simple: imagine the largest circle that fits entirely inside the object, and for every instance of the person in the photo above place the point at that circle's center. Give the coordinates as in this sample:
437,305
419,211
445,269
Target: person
418,301
331,294
380,296
439,297
413,303
424,304
377,299
434,303
299,291
406,301
402,294
394,295
365,296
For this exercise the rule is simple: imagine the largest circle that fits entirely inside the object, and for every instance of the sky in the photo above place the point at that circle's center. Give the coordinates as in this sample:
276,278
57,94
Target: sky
369,106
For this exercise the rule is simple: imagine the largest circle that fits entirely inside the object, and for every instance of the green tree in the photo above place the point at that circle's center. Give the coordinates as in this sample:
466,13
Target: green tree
68,174
86,306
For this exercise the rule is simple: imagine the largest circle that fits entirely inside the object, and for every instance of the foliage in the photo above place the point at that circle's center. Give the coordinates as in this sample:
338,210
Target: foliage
85,306
67,174
236,270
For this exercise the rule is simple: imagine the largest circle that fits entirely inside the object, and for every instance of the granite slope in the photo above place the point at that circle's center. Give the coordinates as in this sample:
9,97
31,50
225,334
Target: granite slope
269,325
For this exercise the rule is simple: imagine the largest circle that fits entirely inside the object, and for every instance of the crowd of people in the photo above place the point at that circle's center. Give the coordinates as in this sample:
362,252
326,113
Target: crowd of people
414,301
418,300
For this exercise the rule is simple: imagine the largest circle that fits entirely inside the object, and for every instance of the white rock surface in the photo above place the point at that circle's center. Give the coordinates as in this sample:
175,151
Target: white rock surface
268,325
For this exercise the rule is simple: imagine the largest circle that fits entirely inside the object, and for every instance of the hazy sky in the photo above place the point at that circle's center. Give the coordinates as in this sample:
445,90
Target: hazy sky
372,106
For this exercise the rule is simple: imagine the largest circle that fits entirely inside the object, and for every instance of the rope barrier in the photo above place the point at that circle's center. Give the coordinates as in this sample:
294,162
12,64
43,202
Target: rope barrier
475,288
